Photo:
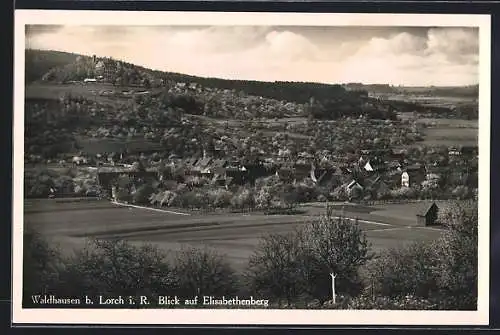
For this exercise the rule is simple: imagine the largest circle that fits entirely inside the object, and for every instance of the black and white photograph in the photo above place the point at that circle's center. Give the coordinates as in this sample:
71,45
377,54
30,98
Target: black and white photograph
263,167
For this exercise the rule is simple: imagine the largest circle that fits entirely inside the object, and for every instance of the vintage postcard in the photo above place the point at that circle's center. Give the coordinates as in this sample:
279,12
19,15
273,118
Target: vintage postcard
251,168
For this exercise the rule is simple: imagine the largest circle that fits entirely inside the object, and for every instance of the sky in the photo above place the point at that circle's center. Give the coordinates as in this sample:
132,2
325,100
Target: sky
411,56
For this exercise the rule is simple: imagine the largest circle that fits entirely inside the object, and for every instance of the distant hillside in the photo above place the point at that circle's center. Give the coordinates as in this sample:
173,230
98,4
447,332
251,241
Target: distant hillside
63,67
39,62
471,91
299,92
372,88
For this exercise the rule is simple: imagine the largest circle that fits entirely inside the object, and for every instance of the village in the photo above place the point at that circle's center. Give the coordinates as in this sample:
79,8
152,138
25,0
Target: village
212,154
250,188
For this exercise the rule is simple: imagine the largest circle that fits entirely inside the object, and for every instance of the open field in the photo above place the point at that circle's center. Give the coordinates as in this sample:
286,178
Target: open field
430,99
87,90
447,132
450,136
441,122
450,123
235,235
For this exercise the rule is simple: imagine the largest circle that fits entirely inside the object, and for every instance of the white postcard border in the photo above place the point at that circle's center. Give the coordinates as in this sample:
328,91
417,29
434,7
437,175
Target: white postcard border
250,317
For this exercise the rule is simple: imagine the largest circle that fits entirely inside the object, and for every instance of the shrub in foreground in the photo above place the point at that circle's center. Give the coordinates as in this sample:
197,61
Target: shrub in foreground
204,272
41,264
298,264
115,267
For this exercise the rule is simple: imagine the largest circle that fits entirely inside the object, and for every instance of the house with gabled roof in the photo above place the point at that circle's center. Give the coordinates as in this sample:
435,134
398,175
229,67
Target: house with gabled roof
374,165
377,185
200,167
433,173
189,165
394,166
323,176
412,175
453,151
427,214
353,187
354,183
203,163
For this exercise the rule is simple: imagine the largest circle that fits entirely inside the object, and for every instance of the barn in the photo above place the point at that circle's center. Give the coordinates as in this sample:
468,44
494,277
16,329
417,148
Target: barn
427,214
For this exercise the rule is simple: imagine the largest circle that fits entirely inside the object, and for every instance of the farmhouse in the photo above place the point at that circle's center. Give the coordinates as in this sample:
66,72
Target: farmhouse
201,167
79,160
427,214
433,173
412,175
355,190
394,166
378,185
320,175
353,184
106,68
452,151
374,165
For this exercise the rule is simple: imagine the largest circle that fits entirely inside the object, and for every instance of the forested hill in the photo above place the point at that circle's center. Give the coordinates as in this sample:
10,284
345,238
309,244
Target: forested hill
299,92
39,62
471,91
63,67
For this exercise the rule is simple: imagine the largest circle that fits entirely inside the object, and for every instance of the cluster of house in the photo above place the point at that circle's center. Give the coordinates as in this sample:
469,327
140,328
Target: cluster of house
370,171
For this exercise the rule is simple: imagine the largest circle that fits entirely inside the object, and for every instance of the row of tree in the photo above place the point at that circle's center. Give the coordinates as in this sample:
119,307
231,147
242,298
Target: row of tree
293,270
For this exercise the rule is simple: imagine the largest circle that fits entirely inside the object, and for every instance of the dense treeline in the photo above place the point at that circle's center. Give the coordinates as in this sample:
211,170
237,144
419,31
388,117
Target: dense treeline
292,270
351,104
375,88
299,92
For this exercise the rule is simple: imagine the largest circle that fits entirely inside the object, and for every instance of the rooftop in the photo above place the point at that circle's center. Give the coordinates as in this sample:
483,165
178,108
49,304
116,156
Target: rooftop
423,208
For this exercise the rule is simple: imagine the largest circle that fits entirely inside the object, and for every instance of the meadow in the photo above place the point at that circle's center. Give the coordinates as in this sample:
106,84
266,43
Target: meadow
69,224
447,132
